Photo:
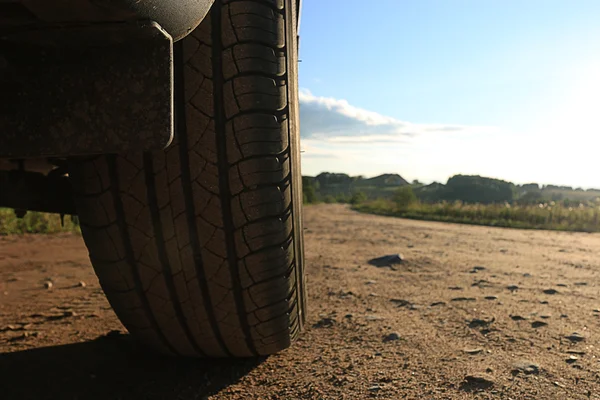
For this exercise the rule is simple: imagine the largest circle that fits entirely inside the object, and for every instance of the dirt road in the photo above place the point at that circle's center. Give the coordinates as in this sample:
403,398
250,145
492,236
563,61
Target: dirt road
473,312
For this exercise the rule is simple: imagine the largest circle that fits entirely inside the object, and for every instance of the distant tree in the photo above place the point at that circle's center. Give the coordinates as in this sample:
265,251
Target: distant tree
342,198
416,182
329,199
404,197
531,197
308,191
477,189
358,197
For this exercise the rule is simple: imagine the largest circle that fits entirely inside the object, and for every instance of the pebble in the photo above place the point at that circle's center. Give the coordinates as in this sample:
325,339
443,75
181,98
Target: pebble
370,282
477,323
575,337
48,285
544,302
473,351
464,299
390,337
375,388
572,359
479,381
517,318
455,288
550,291
512,288
324,323
562,284
438,303
491,297
478,268
580,283
525,366
578,352
527,275
82,284
545,316
400,302
538,324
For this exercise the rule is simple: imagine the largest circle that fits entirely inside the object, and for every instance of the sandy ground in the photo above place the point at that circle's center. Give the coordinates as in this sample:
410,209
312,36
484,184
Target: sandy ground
522,325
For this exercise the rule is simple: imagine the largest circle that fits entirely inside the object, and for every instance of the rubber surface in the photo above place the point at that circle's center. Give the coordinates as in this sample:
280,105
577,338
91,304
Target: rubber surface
199,247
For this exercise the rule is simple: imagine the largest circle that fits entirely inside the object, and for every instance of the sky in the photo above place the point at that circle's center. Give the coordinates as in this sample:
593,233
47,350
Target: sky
432,88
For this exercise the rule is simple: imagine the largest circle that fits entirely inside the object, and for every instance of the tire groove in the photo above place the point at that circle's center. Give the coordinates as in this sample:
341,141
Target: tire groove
129,254
162,252
224,189
190,208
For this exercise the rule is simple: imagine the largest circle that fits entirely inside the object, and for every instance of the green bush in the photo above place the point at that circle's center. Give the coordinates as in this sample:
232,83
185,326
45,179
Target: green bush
35,222
404,197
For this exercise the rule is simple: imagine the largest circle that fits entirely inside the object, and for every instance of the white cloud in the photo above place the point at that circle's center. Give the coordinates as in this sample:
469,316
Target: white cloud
336,120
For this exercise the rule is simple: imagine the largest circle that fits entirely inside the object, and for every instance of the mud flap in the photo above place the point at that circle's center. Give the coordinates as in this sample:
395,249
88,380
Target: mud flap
82,90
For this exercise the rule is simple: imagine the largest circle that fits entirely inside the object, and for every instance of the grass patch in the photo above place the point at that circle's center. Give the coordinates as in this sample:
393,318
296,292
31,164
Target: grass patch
550,216
35,222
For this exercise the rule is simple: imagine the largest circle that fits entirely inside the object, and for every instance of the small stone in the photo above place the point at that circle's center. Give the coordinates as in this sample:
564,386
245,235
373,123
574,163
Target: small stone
580,284
564,316
550,291
370,282
375,388
577,352
464,299
324,323
560,385
512,288
348,316
545,316
575,337
478,323
517,318
538,324
82,284
478,268
572,359
373,318
400,302
544,302
491,297
477,382
455,288
527,275
414,307
438,303
390,337
526,367
473,351
48,285
562,284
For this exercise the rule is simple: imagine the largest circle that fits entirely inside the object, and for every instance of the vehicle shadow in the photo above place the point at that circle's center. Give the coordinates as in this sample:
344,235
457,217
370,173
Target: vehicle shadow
113,367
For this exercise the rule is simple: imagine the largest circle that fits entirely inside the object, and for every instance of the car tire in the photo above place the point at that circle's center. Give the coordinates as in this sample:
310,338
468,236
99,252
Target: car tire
199,247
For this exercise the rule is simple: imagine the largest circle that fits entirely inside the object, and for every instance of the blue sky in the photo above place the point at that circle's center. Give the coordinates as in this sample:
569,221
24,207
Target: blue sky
428,89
